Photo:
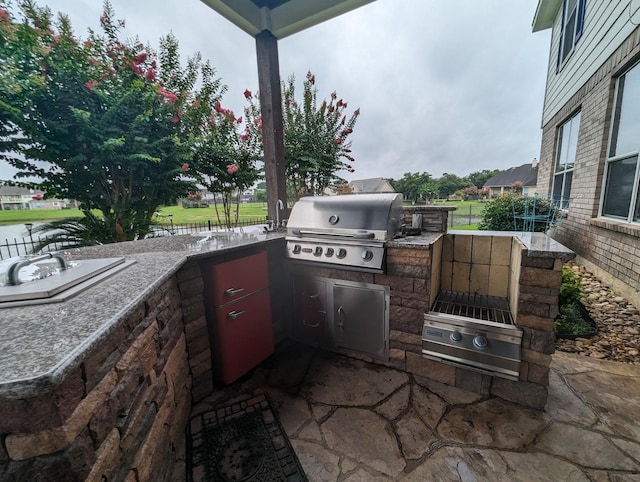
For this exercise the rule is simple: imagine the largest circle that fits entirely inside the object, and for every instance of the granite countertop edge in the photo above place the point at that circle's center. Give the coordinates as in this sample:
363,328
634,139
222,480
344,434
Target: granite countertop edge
174,253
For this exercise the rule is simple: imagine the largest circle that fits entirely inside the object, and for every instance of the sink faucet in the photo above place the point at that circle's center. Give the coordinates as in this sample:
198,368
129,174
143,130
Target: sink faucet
279,207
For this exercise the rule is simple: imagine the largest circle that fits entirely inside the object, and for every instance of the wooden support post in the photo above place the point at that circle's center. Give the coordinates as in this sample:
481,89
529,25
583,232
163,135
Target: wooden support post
272,130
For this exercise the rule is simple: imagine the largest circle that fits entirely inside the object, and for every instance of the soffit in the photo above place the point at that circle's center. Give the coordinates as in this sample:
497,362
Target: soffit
546,13
281,17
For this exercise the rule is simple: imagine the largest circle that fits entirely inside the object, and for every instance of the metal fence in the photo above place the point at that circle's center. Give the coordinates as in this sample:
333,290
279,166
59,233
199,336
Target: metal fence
23,246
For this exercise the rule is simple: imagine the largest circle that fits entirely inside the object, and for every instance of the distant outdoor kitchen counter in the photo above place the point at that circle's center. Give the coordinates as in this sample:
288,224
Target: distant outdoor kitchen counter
41,344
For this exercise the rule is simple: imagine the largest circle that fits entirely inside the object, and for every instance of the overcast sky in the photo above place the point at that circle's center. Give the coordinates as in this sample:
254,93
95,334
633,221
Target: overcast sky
443,85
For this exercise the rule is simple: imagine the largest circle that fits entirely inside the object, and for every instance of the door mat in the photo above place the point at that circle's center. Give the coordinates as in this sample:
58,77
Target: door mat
243,441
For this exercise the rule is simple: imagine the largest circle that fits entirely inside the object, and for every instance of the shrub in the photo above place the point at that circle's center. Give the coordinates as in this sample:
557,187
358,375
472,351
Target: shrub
499,213
570,289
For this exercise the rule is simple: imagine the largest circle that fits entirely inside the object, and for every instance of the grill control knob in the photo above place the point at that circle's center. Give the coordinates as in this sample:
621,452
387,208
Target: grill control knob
296,249
367,255
341,253
455,336
329,252
480,341
317,251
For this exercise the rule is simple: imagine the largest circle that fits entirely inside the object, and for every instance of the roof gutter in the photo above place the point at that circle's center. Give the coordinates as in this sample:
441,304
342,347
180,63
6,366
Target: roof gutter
546,13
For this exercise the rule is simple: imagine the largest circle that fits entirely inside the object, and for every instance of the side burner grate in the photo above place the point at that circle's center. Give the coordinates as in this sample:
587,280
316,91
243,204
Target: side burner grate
470,305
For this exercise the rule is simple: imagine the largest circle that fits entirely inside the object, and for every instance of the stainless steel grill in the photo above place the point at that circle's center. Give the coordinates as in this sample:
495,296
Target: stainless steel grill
348,230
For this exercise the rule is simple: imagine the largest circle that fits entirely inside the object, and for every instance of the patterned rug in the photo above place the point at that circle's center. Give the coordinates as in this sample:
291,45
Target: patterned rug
242,441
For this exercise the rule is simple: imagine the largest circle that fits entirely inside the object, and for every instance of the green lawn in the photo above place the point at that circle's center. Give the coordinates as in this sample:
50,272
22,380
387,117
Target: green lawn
180,215
248,211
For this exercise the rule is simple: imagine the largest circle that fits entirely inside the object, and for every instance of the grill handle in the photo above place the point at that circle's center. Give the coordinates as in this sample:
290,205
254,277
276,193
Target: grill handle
356,235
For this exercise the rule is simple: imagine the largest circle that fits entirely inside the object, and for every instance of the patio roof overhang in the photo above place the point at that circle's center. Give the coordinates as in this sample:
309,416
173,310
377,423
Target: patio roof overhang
546,13
281,17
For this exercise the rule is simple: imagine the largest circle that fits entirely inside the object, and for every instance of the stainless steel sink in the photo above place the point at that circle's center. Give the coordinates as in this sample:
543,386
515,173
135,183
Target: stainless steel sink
57,285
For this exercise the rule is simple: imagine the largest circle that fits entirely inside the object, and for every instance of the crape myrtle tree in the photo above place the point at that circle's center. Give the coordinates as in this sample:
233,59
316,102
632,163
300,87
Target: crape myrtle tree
225,159
316,137
107,122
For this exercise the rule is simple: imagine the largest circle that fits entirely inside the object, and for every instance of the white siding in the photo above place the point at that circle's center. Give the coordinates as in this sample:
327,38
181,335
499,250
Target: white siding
607,25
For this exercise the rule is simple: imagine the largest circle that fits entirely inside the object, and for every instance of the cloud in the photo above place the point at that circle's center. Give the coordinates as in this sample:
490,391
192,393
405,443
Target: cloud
443,85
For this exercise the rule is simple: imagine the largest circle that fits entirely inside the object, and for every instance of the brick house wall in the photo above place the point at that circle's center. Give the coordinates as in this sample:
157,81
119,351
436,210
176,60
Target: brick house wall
610,248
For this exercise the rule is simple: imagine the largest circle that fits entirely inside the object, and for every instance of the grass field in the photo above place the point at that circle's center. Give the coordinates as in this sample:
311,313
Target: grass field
248,211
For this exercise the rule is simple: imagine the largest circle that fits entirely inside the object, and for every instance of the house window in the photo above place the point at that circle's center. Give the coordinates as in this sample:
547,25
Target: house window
570,27
621,199
565,160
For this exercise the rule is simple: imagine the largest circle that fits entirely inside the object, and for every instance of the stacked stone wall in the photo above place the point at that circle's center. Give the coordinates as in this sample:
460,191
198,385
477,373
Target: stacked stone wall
119,416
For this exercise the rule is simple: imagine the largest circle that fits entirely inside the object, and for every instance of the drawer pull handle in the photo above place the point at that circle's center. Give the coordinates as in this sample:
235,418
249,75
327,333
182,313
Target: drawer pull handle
313,297
310,325
233,291
233,315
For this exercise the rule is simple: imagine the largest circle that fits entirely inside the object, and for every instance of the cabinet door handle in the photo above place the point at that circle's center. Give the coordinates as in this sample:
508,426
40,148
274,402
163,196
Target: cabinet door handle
310,325
233,291
313,297
340,316
232,315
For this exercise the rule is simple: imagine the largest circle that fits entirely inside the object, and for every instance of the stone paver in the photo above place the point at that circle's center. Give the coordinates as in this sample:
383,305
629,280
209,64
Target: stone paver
353,421
344,382
366,436
585,448
493,423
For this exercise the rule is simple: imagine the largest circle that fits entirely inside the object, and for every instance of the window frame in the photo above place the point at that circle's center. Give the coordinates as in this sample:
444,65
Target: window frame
576,34
569,122
611,157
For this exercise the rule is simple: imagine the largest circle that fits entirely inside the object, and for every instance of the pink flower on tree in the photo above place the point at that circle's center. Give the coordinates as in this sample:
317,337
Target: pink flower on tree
247,94
244,136
141,57
338,141
185,167
175,119
311,78
91,84
4,14
150,75
232,168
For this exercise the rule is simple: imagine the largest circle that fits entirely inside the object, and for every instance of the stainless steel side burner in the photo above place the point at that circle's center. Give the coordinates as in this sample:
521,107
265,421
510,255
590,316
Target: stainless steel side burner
473,331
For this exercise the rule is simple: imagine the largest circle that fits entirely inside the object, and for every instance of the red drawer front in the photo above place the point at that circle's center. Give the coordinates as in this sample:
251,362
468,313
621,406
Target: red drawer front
232,280
243,336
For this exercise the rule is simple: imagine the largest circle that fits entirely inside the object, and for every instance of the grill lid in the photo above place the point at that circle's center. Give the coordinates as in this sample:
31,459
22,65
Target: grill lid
373,217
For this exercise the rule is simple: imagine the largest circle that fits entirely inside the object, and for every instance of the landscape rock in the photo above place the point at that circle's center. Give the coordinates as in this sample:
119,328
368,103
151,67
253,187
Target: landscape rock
618,323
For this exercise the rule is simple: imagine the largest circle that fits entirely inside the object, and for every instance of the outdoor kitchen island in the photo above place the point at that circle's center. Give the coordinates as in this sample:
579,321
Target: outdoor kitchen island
102,384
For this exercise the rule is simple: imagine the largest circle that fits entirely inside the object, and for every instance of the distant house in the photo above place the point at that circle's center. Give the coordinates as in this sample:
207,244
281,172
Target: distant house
21,198
523,178
375,184
590,153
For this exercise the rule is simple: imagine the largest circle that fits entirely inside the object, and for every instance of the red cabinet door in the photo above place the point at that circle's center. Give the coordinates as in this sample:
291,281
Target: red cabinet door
243,336
232,280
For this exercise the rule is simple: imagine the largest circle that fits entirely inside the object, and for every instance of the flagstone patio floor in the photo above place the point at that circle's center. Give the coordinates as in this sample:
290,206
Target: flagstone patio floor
349,420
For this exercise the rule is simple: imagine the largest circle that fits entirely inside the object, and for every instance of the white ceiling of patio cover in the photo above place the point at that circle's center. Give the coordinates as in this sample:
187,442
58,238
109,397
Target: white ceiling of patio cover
281,17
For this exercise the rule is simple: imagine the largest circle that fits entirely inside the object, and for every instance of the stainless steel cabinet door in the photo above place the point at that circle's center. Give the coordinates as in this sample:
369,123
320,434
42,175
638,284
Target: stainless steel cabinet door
361,318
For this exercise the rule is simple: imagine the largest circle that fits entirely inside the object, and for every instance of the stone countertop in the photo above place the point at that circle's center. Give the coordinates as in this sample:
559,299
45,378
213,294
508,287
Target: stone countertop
421,241
41,344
